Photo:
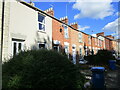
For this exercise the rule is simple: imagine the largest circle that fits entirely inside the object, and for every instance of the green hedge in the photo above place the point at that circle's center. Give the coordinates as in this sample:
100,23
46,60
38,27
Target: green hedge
41,69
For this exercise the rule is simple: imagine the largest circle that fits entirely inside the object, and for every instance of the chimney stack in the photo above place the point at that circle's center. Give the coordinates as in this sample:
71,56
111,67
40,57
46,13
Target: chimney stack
100,34
74,25
31,3
110,36
50,11
64,19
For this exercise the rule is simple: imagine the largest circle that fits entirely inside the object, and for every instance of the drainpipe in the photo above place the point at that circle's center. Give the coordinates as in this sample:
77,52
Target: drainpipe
2,28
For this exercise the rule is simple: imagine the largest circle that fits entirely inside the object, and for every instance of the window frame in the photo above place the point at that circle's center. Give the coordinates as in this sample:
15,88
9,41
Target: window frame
41,44
57,46
89,40
66,32
80,37
66,48
17,46
80,51
42,23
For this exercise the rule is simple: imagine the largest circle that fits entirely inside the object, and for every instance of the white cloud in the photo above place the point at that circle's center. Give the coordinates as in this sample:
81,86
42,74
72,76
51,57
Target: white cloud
93,9
113,27
81,28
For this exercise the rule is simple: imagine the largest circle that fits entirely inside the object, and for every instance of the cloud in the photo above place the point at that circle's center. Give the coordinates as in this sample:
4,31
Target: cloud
93,9
81,28
113,27
117,13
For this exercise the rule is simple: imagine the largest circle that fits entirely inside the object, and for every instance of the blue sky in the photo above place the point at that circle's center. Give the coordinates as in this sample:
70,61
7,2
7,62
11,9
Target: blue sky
92,17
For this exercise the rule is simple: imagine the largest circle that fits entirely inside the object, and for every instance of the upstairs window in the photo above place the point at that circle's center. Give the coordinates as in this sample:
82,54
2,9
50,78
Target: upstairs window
66,32
41,22
80,37
89,39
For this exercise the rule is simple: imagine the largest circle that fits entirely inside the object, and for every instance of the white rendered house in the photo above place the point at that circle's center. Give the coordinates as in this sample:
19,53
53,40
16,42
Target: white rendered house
24,28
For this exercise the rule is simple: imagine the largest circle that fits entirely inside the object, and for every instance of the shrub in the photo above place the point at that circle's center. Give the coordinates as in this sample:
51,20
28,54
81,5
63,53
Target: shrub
41,69
101,58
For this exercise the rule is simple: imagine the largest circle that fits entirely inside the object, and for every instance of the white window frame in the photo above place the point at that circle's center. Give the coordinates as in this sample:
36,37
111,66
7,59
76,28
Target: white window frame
89,40
74,53
43,23
100,43
66,34
58,48
80,51
17,42
67,50
80,37
42,43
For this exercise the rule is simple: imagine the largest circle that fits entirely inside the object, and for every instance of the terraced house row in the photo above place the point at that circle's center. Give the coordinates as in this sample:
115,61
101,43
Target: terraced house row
25,27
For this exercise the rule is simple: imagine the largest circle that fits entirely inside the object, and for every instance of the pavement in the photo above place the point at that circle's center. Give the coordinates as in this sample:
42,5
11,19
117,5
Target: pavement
112,77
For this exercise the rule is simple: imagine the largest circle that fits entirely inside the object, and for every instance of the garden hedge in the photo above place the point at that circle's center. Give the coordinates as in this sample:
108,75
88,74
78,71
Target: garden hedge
41,69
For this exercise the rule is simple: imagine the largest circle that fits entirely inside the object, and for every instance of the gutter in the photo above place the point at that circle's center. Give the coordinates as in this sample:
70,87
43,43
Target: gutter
23,2
2,28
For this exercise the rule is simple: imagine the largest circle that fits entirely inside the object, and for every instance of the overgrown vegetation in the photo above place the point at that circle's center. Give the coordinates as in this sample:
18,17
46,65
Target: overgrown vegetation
41,69
101,58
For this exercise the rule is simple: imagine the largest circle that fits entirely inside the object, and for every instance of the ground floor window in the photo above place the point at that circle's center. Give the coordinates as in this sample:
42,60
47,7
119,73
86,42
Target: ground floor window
67,50
80,51
56,48
41,45
17,46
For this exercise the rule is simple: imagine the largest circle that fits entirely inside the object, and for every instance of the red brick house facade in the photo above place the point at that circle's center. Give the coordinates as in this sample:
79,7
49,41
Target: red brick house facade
67,38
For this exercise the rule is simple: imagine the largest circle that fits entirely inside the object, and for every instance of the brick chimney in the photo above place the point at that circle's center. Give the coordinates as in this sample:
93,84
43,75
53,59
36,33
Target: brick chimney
64,19
50,11
110,36
31,3
100,34
74,25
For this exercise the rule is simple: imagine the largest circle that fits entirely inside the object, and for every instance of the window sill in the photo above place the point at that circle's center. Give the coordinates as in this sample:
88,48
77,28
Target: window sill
41,31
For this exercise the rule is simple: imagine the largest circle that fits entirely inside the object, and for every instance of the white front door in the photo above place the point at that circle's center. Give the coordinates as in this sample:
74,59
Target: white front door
74,54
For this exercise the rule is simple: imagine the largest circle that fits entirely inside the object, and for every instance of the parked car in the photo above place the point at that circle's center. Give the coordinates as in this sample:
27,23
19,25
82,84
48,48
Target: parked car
83,61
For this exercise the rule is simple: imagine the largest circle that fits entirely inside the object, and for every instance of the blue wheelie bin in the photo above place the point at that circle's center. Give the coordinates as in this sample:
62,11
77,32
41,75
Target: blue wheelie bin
98,80
112,64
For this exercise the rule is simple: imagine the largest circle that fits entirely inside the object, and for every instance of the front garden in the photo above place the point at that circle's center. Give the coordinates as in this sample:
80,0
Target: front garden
41,69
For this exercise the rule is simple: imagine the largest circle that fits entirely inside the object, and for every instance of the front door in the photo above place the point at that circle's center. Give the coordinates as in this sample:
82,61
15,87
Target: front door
74,55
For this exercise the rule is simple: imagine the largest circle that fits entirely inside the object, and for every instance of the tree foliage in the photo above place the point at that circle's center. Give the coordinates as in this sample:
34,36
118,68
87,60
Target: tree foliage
41,69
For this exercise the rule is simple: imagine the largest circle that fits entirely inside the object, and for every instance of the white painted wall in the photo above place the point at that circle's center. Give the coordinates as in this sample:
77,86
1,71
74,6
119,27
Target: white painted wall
0,23
0,44
24,25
